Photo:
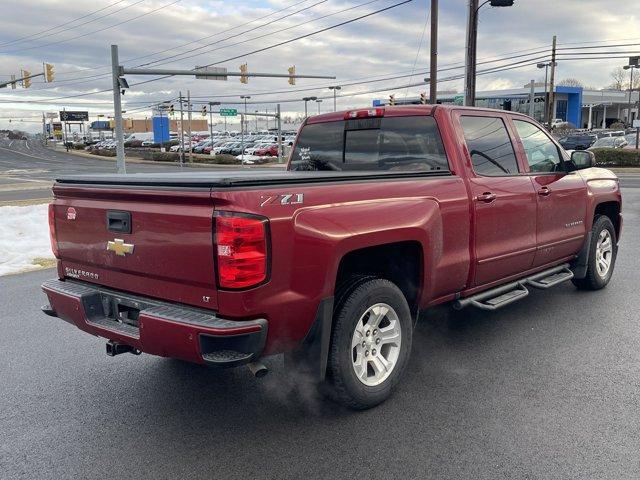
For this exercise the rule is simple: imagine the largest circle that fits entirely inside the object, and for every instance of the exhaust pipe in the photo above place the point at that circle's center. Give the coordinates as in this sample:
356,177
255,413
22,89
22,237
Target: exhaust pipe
258,369
115,348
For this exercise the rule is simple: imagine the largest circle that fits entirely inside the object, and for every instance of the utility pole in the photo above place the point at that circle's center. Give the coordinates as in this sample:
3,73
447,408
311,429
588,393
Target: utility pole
552,99
181,130
211,123
117,109
279,134
189,127
470,57
433,68
256,112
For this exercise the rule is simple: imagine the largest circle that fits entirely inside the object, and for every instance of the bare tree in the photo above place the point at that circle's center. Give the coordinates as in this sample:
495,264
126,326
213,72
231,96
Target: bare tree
621,78
570,82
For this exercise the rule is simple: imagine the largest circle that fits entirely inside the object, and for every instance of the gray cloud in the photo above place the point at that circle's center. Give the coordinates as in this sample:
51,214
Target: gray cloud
380,45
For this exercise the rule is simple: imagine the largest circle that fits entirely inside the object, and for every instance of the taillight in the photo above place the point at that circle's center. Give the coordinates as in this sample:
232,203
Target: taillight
241,243
52,230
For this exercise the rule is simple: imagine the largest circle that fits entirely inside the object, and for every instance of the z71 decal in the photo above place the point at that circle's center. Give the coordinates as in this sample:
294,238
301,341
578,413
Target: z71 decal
283,199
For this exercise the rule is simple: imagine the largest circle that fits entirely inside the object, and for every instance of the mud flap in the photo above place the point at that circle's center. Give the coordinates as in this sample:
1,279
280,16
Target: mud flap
310,358
580,265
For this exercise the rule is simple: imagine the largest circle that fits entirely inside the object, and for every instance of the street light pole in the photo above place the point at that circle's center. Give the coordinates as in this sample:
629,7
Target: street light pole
307,99
319,101
433,66
242,121
335,88
630,67
117,109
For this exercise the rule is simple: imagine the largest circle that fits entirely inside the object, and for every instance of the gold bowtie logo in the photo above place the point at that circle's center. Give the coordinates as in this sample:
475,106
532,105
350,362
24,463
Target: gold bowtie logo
119,247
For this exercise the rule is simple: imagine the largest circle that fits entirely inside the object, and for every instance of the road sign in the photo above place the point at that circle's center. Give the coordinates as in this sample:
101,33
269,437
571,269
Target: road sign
636,124
458,99
228,112
211,69
68,116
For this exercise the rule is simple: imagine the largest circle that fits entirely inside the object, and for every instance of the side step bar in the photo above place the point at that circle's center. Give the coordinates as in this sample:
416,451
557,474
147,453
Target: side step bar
506,294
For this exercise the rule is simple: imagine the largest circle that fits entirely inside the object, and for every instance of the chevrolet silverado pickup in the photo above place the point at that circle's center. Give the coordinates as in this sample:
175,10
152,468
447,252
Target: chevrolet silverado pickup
381,213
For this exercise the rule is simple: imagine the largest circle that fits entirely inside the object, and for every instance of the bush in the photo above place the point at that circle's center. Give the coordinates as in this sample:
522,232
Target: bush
617,126
78,146
104,152
133,143
616,157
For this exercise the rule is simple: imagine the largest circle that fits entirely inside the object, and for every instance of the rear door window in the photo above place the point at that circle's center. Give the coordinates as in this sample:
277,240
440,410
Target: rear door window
489,146
371,144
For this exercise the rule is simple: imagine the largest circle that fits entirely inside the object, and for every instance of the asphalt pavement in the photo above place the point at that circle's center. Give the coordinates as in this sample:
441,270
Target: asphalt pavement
547,388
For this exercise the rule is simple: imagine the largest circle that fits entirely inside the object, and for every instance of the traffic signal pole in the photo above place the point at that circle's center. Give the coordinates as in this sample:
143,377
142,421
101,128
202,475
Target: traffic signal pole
119,71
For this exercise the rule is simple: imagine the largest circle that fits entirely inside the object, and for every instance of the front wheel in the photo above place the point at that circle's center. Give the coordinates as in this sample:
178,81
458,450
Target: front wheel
602,255
370,344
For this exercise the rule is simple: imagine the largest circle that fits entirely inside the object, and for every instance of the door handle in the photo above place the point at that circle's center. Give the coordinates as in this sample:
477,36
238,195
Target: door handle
544,191
486,197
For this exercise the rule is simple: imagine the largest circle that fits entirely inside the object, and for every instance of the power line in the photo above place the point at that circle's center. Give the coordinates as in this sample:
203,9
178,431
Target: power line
162,61
19,40
95,31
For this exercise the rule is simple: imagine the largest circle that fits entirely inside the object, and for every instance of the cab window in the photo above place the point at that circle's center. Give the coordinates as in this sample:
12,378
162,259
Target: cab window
489,146
542,154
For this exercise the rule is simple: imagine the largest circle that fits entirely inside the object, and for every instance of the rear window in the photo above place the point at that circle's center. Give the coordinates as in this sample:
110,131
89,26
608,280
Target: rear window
371,144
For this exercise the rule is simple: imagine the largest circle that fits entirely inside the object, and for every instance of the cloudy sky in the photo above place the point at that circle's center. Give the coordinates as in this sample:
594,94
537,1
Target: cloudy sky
388,50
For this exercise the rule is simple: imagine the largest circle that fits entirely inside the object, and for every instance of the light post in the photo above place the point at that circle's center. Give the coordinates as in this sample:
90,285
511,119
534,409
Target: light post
319,101
546,66
211,105
472,37
242,120
335,88
305,100
256,112
632,68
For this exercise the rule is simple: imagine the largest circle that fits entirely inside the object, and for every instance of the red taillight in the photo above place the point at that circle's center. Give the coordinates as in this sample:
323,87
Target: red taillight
370,112
52,230
241,244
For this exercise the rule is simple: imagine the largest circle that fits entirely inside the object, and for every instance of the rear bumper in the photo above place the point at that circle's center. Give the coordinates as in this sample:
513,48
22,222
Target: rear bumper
155,327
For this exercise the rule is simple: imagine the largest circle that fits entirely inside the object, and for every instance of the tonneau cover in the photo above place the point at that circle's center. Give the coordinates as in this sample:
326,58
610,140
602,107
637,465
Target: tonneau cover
233,178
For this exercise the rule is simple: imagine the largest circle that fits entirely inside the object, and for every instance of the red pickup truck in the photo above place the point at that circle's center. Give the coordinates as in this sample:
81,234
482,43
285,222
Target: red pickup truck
381,213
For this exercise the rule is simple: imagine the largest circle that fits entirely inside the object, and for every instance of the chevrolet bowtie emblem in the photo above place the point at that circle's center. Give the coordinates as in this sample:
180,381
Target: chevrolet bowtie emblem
119,247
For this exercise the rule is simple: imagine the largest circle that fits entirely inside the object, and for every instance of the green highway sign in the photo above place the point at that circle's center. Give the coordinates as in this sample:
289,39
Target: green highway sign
228,112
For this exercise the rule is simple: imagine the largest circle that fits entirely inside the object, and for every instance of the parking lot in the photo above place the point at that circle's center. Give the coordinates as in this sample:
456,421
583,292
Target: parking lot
545,388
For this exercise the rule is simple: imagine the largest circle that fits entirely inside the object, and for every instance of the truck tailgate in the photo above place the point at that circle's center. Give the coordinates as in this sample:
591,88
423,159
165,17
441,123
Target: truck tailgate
166,253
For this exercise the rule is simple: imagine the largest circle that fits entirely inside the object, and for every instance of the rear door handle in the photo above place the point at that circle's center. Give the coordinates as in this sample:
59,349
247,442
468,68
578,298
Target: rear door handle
544,191
486,197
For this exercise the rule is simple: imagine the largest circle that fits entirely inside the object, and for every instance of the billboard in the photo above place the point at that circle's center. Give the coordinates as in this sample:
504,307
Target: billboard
69,116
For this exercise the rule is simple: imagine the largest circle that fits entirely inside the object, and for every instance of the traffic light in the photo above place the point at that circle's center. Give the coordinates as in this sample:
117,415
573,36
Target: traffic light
243,71
26,78
392,100
49,72
423,98
292,72
171,111
204,110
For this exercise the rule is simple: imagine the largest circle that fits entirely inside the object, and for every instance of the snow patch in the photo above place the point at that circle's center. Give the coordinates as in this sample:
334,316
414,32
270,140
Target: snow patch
24,236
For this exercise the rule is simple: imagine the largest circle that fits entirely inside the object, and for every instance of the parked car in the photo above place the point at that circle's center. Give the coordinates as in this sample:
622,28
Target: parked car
266,151
609,142
577,142
378,217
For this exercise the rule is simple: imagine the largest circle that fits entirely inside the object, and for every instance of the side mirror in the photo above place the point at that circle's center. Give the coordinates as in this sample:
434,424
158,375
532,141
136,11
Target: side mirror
581,159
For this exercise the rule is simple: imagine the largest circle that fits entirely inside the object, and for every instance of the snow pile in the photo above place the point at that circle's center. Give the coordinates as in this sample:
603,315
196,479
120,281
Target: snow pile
24,237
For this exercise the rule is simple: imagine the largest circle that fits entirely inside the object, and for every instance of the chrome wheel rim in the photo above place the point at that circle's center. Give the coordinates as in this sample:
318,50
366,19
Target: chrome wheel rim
375,344
604,253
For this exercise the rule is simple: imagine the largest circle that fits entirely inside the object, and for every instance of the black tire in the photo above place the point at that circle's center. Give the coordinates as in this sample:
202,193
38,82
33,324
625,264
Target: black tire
594,280
342,381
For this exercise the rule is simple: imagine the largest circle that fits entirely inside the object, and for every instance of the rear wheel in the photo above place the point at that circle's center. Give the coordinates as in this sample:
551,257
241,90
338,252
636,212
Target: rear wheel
370,343
602,255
